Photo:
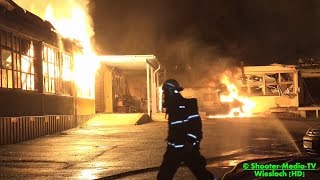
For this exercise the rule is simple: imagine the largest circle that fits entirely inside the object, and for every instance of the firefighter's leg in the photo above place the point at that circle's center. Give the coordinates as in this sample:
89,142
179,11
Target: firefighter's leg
197,164
170,164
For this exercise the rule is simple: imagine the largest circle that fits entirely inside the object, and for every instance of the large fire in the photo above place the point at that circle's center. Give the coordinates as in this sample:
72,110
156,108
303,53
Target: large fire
241,106
72,21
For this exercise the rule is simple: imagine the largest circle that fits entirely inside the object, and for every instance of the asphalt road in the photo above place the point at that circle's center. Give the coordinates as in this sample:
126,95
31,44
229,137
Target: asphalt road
92,152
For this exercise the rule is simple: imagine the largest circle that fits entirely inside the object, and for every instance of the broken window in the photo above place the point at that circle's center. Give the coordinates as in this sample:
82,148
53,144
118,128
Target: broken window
255,83
6,59
252,85
286,83
272,84
267,84
286,77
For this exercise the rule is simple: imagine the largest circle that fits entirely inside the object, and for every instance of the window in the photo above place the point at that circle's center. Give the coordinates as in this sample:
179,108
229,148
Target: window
267,84
56,71
286,83
272,84
50,69
6,69
66,74
252,85
27,66
255,83
6,57
17,62
6,79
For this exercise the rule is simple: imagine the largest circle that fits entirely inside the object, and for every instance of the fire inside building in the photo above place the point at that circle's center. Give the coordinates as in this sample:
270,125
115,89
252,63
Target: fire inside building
281,90
46,85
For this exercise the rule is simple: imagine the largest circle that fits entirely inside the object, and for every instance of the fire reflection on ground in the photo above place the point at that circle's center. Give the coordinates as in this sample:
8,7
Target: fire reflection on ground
93,173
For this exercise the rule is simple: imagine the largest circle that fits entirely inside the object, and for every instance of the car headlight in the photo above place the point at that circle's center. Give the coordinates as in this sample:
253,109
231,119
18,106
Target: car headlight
310,132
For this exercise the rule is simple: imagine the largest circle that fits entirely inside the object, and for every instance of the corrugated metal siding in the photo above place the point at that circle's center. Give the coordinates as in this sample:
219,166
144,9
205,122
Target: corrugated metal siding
17,129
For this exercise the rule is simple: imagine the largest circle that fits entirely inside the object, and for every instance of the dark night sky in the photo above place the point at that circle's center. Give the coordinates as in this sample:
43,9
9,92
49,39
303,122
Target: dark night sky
199,33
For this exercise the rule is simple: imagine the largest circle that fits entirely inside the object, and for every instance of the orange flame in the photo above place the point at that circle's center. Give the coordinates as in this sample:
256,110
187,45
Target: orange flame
72,21
245,105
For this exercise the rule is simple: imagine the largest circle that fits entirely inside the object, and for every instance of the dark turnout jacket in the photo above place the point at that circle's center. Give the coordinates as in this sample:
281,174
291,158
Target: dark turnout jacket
184,121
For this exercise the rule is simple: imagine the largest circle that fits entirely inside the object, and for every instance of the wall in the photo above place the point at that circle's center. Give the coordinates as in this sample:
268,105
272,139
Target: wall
85,106
58,105
108,103
103,90
99,90
17,103
22,103
137,84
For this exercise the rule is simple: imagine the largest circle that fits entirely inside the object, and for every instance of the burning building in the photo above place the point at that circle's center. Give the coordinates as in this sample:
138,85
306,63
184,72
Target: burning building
40,89
50,81
262,90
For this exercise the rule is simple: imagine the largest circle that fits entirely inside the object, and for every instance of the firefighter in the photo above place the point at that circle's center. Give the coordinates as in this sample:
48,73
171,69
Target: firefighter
184,134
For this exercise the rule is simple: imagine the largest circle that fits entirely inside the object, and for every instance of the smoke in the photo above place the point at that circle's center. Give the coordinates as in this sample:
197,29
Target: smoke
209,36
193,62
163,28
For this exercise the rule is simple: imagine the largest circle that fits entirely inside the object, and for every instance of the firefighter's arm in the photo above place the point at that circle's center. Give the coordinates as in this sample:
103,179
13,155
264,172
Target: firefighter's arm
195,124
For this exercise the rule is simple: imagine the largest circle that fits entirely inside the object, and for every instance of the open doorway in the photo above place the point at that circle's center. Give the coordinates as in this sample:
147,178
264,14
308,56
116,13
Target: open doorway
310,93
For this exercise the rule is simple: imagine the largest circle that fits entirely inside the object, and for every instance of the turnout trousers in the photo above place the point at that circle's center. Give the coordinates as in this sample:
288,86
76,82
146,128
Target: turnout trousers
173,157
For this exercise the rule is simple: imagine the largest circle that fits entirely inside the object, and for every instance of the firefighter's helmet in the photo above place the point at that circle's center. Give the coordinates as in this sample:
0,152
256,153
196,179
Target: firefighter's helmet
172,86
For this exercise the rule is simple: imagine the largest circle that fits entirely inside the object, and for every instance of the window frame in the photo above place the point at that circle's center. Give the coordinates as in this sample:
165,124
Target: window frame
52,70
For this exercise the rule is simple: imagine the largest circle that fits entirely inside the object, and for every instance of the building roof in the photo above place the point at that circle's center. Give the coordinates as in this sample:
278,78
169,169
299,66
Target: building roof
130,62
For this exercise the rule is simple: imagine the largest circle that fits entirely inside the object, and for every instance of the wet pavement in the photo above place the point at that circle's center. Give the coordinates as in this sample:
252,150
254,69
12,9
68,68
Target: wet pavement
135,151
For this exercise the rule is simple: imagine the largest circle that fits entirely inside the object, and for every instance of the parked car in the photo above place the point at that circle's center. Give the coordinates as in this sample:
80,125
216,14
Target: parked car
311,141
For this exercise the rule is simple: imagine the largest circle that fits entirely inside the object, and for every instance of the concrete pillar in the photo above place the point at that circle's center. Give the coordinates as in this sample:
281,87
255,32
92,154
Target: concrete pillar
108,101
154,92
148,89
157,92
